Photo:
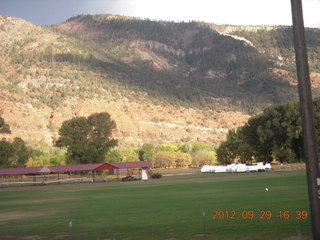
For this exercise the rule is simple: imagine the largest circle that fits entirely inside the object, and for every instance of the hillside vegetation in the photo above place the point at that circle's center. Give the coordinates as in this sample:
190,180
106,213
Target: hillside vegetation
277,44
160,81
186,62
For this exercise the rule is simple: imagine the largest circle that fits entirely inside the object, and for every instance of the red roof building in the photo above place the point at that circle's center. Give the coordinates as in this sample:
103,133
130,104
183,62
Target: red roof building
82,167
23,171
74,168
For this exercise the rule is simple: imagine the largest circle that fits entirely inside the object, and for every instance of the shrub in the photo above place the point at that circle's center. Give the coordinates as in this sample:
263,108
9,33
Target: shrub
204,157
166,159
156,175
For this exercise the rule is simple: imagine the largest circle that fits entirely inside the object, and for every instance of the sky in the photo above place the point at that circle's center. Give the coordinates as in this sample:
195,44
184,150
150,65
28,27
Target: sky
236,12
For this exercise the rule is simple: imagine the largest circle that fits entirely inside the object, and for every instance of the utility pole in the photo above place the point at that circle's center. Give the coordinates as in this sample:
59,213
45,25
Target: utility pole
307,114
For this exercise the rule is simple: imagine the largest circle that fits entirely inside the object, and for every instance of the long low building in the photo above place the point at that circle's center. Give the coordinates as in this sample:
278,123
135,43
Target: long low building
74,168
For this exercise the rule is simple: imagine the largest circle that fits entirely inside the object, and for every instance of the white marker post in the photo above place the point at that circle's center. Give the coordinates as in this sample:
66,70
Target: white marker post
204,225
70,229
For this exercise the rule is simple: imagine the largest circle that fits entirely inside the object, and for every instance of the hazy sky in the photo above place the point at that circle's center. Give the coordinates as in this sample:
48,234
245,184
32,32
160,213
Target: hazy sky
242,12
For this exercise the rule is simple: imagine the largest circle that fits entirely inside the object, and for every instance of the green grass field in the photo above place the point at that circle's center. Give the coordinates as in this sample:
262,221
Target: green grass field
169,208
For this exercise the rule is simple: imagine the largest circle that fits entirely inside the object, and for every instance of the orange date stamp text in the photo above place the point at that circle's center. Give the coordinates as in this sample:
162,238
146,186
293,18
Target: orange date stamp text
260,214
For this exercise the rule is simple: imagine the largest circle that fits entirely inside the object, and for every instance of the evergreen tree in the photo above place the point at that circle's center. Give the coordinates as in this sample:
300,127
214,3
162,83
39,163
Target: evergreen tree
4,128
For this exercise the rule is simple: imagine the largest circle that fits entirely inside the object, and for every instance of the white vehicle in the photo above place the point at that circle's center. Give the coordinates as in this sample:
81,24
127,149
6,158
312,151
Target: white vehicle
268,167
207,169
235,168
261,167
241,168
220,169
231,167
252,168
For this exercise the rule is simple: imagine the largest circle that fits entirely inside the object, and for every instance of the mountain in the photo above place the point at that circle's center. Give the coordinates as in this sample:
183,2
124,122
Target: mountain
277,43
160,81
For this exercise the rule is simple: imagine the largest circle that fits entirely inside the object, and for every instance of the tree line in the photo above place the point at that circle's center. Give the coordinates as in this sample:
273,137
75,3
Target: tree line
190,154
275,134
89,140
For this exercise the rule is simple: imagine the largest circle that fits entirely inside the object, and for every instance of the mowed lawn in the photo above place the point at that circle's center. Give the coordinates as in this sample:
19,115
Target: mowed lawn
169,208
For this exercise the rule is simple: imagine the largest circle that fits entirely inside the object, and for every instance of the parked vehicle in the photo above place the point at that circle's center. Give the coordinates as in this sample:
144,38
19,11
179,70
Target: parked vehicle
128,178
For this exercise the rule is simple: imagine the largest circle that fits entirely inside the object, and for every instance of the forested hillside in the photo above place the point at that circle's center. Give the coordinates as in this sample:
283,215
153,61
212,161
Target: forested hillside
160,81
187,62
277,44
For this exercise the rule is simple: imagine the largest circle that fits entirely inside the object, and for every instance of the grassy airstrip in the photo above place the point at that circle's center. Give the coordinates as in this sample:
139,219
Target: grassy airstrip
169,208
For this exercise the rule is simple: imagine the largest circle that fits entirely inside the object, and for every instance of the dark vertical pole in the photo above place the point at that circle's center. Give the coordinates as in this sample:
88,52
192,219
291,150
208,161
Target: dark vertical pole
307,113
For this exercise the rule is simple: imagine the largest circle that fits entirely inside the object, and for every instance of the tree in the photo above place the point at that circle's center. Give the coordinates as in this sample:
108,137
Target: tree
259,138
101,127
235,148
193,147
14,154
166,159
275,134
6,152
148,150
6,149
21,153
227,152
87,139
245,153
4,128
113,155
46,160
140,155
182,159
203,157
